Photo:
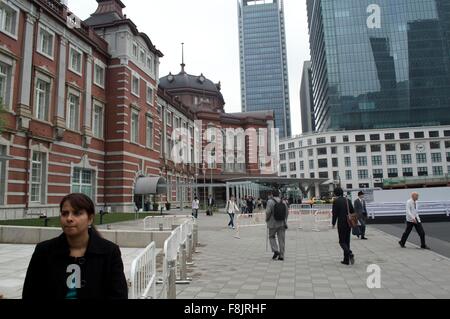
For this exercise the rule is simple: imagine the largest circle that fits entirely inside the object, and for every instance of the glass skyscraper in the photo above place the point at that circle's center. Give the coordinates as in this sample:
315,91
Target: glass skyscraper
380,66
263,62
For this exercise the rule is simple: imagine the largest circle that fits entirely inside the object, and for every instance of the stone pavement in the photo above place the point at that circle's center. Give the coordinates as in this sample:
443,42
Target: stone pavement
230,268
227,267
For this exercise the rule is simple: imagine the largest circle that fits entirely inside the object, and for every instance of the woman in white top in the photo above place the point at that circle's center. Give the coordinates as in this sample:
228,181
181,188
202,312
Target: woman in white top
195,206
231,209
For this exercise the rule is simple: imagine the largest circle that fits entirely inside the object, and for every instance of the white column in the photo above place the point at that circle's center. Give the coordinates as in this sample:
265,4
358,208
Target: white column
87,130
88,96
317,190
227,192
24,110
27,61
62,80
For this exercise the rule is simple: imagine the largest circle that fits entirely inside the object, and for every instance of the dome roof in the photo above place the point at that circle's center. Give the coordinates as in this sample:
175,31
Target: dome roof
183,80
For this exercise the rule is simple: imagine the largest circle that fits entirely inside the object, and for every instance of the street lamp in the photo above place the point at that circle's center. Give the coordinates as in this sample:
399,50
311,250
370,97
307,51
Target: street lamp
204,184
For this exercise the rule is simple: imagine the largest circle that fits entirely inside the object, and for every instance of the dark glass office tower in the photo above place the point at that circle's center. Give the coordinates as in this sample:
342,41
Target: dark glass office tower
263,62
380,71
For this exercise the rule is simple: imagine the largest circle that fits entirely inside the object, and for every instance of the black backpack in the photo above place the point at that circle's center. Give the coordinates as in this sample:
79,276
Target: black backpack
279,211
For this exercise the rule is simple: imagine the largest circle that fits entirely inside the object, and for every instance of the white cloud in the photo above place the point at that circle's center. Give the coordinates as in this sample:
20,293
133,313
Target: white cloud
209,29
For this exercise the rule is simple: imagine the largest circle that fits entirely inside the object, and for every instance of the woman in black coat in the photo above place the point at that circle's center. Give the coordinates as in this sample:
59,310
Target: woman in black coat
341,208
79,264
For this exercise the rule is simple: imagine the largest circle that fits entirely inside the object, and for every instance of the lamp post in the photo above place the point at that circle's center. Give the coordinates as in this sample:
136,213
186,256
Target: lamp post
204,184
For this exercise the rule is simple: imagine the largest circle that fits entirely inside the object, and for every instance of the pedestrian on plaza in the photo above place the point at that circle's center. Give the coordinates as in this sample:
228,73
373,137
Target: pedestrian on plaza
361,210
259,205
243,205
211,203
78,264
249,206
276,219
195,207
413,220
342,207
231,208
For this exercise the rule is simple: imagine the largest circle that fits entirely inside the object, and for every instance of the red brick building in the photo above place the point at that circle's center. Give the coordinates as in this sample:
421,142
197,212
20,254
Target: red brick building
84,112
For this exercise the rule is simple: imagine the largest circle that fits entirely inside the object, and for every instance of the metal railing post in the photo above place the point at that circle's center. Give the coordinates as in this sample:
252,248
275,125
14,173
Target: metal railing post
172,288
182,263
189,249
195,237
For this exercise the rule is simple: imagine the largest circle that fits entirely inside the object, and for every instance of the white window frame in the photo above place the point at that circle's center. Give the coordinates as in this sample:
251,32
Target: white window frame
149,64
37,109
3,174
40,49
40,183
135,50
98,131
100,64
142,56
92,185
77,111
71,49
13,34
169,118
149,133
150,97
133,77
9,80
134,126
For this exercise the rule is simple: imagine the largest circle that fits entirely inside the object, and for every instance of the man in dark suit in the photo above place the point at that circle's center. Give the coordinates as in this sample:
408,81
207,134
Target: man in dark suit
341,208
360,209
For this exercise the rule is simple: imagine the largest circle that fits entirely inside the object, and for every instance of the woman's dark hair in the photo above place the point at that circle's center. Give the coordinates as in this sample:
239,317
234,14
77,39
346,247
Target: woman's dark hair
79,202
338,192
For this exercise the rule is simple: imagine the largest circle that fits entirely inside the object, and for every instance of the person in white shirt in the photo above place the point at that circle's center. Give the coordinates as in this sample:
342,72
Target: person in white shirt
413,220
231,208
195,206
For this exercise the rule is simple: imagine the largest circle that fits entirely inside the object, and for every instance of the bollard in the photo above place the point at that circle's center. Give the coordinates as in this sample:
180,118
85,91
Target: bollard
46,221
172,288
161,227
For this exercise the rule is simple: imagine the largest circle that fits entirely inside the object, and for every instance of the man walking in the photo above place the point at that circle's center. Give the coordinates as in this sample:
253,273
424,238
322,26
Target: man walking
211,203
342,207
276,219
413,220
360,209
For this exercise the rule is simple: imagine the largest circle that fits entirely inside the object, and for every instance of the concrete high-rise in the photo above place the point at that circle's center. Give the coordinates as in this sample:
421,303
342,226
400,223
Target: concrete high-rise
380,66
307,99
263,62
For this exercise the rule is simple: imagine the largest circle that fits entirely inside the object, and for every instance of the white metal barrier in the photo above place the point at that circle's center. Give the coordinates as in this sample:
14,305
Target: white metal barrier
245,220
168,281
159,223
399,208
324,216
178,247
143,274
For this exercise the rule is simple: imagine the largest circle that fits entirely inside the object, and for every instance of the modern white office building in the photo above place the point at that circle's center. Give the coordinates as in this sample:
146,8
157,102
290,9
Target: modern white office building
389,158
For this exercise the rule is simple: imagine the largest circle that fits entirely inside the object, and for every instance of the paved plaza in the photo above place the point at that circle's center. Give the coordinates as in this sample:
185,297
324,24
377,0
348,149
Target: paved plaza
229,268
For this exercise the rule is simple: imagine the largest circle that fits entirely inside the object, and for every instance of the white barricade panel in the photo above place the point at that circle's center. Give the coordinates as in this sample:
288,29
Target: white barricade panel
143,274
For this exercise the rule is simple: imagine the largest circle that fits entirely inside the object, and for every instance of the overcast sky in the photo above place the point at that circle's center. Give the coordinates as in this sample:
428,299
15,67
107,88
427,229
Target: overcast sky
209,29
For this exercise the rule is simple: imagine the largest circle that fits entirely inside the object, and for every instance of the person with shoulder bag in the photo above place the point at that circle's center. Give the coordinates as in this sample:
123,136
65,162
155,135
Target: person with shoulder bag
343,214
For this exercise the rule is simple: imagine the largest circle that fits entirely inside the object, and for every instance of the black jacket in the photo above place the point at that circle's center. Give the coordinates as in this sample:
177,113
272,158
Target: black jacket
102,275
340,211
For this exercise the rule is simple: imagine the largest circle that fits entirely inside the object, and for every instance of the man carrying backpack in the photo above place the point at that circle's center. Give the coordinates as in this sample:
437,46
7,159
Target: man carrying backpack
276,219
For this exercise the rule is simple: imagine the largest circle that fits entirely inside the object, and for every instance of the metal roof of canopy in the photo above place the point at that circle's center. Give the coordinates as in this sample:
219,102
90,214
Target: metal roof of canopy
150,185
278,180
